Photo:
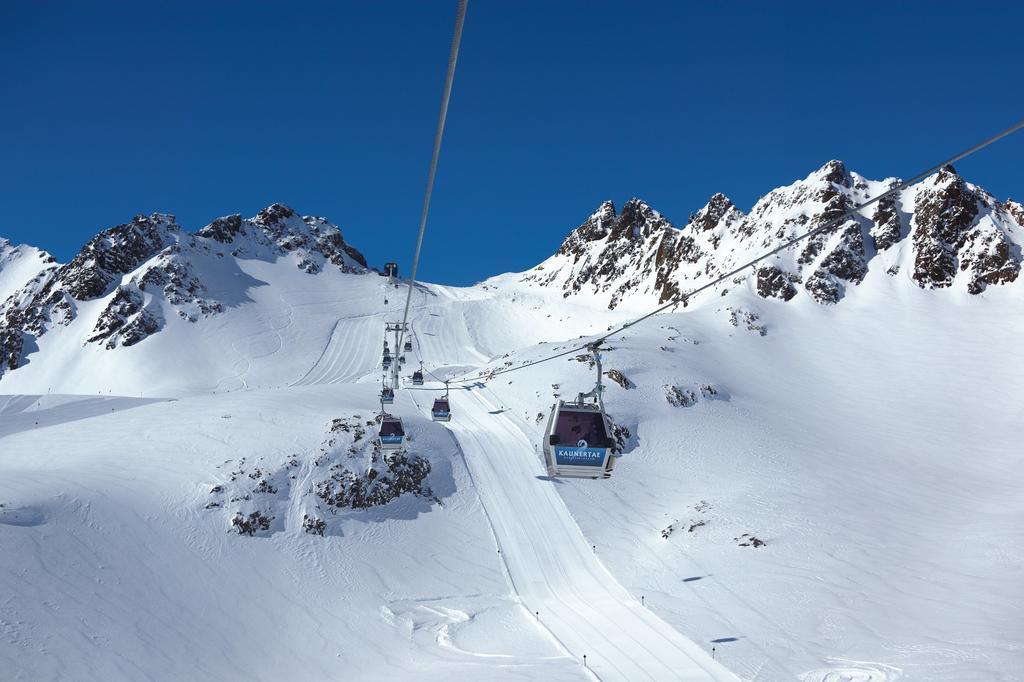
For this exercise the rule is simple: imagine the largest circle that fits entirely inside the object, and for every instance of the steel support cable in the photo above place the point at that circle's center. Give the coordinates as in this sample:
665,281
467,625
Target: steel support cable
823,228
453,56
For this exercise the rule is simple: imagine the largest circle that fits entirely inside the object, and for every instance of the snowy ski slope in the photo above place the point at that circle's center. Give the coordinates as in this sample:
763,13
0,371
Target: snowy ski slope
873,446
553,568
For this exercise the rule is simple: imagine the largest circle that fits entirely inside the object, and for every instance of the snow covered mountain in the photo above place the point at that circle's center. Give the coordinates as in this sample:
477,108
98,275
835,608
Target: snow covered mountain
944,232
134,280
130,280
21,264
191,488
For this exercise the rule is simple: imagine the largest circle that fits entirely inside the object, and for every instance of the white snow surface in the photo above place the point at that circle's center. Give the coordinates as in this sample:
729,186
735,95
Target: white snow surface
19,265
873,446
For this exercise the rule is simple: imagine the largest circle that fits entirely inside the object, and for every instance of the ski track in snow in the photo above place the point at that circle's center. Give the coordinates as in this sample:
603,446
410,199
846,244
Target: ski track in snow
553,569
348,355
259,345
548,561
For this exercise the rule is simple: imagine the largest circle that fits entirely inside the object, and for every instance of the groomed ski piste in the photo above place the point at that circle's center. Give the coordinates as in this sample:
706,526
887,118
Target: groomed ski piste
872,447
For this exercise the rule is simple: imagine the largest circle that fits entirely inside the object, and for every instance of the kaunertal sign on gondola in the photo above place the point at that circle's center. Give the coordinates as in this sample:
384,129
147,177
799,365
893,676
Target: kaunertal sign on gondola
581,455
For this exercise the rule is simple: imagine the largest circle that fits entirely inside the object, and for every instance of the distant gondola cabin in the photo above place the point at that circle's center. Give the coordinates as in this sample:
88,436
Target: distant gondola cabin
441,411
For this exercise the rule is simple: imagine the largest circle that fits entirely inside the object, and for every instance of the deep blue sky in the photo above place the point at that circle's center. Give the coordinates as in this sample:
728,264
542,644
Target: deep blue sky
205,109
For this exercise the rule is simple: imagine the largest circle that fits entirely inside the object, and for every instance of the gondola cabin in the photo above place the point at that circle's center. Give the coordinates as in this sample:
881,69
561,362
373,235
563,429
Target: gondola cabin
441,411
417,378
392,433
577,443
386,361
408,346
387,395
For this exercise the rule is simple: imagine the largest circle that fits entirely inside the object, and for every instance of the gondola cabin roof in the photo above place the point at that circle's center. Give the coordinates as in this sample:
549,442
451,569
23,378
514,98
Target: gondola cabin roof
441,405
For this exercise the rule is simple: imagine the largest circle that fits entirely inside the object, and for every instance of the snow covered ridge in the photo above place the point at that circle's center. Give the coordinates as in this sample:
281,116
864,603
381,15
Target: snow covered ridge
943,232
21,264
149,267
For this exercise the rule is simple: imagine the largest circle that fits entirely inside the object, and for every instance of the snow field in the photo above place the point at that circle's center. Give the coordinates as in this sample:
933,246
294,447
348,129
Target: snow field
872,446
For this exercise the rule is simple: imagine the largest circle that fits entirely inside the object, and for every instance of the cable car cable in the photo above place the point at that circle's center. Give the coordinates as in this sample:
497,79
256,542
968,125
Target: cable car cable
453,56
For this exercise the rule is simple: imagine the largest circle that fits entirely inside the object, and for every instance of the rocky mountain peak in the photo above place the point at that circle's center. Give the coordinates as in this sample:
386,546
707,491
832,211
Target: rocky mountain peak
606,211
22,266
960,231
950,229
946,175
278,230
594,228
710,217
149,267
1015,210
638,220
116,251
835,172
273,215
222,229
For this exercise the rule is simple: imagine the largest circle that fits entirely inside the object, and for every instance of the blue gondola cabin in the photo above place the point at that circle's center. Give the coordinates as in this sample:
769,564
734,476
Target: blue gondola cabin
577,443
392,433
441,411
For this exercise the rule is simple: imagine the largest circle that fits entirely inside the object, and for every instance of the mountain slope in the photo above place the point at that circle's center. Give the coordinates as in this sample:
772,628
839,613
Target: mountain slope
24,270
871,447
811,491
134,280
943,232
19,265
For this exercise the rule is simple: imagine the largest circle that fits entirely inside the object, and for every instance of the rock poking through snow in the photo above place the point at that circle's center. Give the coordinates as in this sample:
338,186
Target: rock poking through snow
950,225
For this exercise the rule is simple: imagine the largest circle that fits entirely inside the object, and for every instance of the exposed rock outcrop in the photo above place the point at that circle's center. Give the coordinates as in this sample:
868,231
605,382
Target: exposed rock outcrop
886,229
774,283
951,229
